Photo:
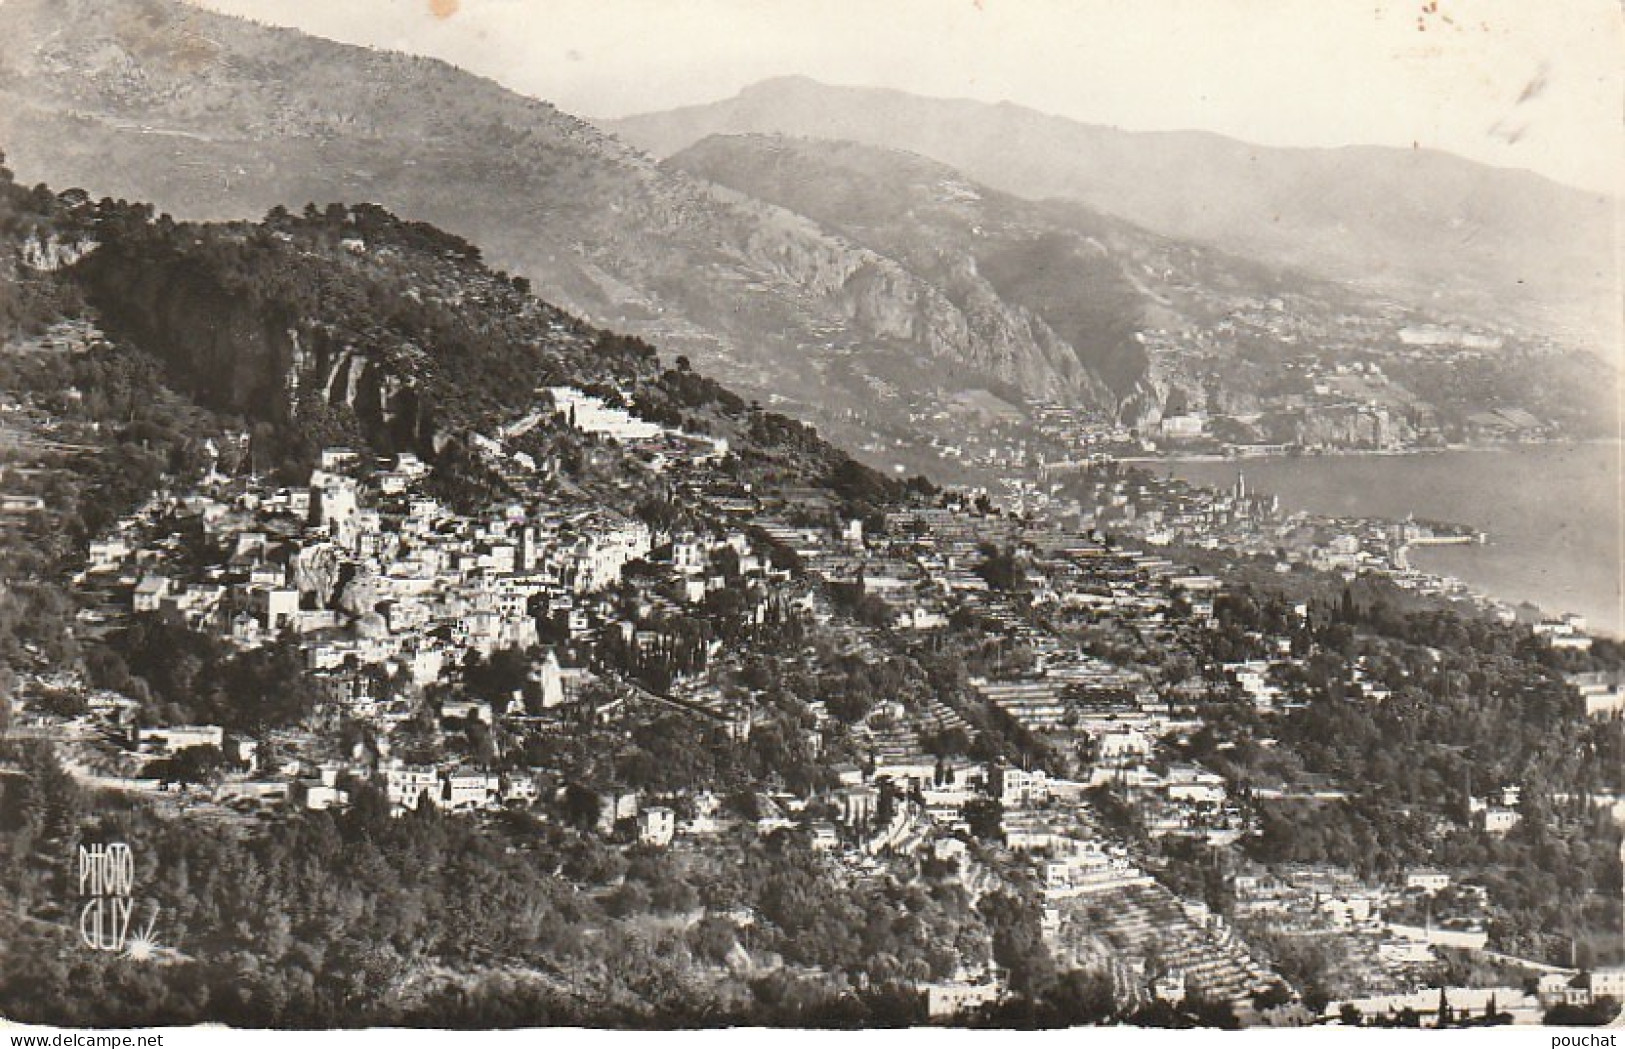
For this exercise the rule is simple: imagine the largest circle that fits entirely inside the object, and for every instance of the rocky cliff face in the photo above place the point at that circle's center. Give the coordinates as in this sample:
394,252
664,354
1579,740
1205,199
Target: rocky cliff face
974,328
50,253
1343,427
897,311
236,355
1049,300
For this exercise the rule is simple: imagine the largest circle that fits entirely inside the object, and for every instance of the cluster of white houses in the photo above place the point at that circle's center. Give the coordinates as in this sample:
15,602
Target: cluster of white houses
369,572
376,579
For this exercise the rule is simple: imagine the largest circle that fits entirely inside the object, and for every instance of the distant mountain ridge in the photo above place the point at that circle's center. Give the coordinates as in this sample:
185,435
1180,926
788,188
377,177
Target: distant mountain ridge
1171,328
213,117
1091,282
1429,228
891,332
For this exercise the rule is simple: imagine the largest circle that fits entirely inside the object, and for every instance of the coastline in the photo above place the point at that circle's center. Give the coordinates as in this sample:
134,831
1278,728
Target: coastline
1369,453
1551,511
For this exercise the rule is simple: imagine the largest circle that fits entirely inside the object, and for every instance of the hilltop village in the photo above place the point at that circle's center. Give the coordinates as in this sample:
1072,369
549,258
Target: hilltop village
451,653
623,700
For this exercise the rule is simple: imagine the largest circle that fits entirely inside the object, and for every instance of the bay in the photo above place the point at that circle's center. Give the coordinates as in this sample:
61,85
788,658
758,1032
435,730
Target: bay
1552,514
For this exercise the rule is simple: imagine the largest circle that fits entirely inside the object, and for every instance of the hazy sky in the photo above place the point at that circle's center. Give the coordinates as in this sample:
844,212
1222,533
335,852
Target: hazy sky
1522,83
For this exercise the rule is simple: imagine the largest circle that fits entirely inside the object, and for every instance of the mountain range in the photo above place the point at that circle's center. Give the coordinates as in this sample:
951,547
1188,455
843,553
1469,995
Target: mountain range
862,294
1092,284
212,117
1427,227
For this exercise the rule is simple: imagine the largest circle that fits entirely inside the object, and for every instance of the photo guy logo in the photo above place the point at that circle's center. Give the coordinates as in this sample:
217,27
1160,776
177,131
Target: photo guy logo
106,884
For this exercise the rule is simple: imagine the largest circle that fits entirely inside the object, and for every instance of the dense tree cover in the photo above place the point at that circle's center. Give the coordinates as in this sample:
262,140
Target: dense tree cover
1018,941
1471,706
31,300
1072,999
498,678
182,676
464,481
125,429
188,766
36,623
1001,569
857,604
678,647
325,920
455,345
1194,870
681,389
1599,1013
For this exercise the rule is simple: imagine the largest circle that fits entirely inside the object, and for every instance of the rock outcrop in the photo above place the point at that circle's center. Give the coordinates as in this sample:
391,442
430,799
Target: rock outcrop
237,355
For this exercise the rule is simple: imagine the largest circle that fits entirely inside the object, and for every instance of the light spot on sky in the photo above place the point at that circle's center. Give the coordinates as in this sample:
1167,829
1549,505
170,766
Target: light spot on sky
1536,85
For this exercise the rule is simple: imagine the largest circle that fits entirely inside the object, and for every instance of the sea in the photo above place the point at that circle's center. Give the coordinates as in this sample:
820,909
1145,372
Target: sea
1552,513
